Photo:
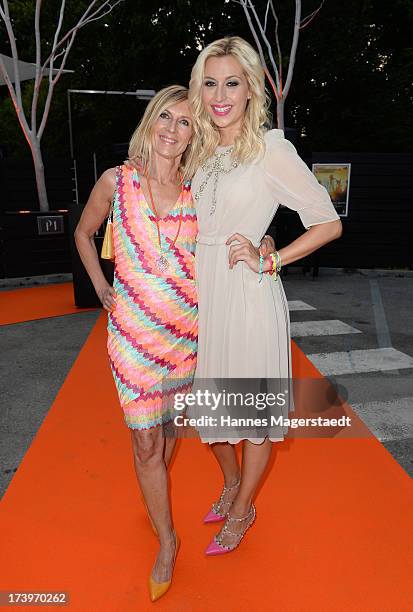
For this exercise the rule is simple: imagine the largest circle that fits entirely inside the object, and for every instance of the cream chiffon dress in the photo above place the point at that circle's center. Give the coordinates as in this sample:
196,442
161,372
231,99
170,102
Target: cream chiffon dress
244,326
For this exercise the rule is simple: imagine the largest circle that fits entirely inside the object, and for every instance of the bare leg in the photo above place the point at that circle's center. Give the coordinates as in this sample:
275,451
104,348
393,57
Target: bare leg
169,450
228,461
148,450
170,442
254,461
227,458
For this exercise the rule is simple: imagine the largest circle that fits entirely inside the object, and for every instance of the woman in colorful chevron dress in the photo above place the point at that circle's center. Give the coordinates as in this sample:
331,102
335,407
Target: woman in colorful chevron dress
244,331
152,321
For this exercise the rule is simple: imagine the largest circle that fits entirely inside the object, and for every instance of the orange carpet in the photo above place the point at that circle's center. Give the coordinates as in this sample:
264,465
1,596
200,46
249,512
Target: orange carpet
37,303
332,532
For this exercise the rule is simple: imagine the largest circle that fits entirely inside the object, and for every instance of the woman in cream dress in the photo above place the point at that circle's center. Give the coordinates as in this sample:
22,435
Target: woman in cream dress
244,329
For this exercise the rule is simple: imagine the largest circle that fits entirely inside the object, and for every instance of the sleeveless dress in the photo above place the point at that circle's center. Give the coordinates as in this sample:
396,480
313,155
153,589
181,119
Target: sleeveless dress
244,326
152,332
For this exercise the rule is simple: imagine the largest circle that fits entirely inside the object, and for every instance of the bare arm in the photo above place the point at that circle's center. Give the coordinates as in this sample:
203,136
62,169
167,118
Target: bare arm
314,238
295,186
94,213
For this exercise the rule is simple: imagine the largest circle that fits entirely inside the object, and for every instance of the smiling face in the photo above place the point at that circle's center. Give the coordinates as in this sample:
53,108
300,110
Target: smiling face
172,131
225,94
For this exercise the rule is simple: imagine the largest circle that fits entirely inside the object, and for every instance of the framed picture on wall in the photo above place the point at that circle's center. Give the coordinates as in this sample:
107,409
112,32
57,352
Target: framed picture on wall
336,179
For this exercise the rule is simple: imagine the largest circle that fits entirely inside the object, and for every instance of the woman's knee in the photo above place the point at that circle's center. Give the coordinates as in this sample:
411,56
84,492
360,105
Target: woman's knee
147,447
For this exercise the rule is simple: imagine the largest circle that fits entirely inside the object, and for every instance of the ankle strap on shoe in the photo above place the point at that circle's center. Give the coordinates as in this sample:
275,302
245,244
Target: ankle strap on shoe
243,518
226,489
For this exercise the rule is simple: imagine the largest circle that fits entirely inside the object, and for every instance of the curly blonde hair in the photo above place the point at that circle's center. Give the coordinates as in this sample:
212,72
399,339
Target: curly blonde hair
249,144
140,146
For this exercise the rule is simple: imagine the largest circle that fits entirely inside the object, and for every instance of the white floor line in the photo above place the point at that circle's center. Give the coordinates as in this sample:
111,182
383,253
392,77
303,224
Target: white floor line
389,420
321,328
354,362
299,305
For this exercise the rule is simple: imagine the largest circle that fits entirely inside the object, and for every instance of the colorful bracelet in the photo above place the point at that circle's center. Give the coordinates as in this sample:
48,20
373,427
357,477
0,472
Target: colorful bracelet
278,261
260,271
272,261
275,261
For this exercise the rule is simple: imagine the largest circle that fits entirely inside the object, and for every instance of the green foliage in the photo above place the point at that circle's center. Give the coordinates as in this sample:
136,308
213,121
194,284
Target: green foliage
351,88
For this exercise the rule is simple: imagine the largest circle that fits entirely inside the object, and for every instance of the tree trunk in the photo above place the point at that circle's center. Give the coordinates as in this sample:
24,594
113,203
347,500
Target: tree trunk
39,172
280,113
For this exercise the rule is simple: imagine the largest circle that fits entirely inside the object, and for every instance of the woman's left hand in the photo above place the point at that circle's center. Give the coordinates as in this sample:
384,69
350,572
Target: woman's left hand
243,251
267,245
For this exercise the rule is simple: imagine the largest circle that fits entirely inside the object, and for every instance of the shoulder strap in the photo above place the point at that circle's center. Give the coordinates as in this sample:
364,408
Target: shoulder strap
118,171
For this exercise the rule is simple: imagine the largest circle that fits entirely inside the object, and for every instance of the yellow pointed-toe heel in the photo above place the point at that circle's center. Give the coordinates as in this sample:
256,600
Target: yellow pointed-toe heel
158,589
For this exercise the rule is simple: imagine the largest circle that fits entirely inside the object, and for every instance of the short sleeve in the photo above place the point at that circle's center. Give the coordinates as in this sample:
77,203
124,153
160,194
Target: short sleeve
292,182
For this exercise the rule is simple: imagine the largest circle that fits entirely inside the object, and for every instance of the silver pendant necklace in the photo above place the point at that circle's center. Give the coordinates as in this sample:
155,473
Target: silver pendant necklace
162,263
215,167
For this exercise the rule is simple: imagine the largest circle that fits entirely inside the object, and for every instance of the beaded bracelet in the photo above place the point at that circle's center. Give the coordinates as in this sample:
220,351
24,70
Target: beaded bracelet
274,264
271,259
275,260
260,271
278,261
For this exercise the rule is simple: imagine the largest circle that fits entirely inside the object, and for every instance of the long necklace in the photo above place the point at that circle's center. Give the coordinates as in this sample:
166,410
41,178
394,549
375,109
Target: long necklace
215,167
162,262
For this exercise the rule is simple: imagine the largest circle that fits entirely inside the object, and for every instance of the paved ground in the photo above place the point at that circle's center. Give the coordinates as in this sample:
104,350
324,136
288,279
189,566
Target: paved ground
355,323
35,359
359,334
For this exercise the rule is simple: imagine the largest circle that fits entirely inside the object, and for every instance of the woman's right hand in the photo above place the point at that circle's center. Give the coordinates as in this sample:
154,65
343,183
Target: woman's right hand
107,296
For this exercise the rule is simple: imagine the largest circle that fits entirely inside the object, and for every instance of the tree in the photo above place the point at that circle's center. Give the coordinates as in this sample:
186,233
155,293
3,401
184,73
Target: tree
53,67
259,28
351,88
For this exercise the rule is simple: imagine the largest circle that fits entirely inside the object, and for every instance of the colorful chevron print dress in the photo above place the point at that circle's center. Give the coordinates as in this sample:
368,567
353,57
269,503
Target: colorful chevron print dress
153,330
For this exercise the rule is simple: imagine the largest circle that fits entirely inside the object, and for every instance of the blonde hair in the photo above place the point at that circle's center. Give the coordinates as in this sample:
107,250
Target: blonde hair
140,146
249,144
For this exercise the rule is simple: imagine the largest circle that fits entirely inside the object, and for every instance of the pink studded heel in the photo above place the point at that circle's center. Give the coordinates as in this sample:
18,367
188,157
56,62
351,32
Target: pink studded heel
217,548
221,508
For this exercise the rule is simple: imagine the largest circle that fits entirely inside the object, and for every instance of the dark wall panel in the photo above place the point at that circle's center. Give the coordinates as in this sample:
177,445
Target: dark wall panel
378,231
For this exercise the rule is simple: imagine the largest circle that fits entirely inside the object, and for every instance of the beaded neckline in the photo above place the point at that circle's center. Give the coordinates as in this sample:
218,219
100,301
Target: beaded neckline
214,167
224,147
